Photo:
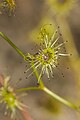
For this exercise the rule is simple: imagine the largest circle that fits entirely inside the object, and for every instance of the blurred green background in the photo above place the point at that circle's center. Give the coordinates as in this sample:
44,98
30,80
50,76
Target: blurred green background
22,28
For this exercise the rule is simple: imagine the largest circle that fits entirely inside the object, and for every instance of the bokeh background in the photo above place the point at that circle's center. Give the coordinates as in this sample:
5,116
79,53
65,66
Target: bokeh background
22,27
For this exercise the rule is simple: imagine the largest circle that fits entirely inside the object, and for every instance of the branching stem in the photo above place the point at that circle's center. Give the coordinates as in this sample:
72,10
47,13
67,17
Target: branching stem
41,85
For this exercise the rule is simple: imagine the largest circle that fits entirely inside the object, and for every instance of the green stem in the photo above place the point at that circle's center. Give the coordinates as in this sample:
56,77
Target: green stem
37,75
28,88
69,104
12,44
52,94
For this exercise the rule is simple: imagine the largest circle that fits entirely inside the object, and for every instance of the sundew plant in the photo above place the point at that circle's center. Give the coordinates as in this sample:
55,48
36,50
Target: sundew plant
41,63
48,54
8,97
47,58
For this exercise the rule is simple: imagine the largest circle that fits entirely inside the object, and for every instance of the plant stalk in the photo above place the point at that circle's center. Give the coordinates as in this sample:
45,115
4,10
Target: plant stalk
60,99
12,44
41,85
28,88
